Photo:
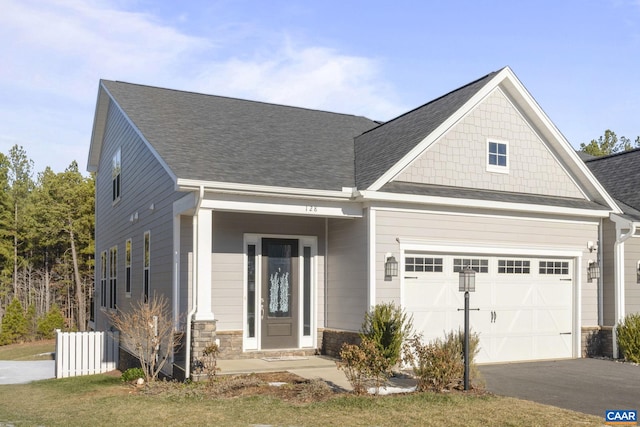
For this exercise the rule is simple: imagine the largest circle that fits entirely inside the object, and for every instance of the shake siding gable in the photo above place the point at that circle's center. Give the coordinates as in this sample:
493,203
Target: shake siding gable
459,158
146,190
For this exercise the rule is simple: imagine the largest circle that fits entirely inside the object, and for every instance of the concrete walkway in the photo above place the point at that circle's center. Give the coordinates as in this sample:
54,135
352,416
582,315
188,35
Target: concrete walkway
21,372
309,367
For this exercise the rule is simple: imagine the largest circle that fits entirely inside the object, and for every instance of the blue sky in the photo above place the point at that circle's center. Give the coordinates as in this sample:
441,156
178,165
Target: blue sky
579,59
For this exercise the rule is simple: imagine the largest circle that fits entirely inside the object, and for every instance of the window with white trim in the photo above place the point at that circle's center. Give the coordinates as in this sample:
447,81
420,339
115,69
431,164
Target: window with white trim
113,276
477,264
127,267
514,266
497,156
146,265
103,279
116,169
554,267
423,264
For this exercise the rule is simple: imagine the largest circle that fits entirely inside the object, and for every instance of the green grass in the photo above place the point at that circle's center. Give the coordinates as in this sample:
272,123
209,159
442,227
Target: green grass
103,400
38,350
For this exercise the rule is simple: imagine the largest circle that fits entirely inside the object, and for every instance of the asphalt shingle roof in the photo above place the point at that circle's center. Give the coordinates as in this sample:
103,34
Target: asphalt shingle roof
214,138
620,175
380,148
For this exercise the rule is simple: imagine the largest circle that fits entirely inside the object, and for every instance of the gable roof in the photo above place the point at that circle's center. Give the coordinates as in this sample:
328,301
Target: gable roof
620,175
218,139
380,148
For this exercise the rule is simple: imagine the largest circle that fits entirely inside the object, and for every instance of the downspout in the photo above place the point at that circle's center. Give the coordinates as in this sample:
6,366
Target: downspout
600,260
194,283
619,279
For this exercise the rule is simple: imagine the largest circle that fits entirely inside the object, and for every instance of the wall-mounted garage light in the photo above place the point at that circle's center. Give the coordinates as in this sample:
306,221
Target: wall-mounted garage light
638,272
593,271
390,266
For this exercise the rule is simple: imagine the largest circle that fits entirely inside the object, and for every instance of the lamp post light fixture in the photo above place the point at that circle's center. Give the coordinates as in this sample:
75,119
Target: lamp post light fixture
466,284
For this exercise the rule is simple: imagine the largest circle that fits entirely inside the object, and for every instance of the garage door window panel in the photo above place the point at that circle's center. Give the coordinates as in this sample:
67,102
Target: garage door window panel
554,267
478,265
514,266
423,264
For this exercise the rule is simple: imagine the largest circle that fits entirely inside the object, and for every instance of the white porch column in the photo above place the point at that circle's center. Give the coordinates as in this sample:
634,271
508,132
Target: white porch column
203,231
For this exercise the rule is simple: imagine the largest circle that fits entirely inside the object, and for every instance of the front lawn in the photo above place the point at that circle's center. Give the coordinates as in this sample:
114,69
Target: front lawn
103,400
38,350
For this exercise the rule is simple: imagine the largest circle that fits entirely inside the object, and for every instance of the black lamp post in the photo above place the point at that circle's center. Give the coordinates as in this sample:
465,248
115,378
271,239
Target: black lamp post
466,284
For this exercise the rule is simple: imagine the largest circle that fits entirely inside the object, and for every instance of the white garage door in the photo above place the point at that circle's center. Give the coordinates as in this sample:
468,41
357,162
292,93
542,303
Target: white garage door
522,306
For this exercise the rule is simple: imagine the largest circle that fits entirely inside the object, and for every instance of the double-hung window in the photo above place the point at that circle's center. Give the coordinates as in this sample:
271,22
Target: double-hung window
147,265
127,268
103,279
113,276
116,169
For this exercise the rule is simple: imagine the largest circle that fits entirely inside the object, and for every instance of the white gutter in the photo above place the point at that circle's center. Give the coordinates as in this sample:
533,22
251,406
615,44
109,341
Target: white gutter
194,284
481,204
618,275
236,188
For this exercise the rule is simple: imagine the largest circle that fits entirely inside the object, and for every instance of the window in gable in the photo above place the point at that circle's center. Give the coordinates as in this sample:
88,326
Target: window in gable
116,169
497,156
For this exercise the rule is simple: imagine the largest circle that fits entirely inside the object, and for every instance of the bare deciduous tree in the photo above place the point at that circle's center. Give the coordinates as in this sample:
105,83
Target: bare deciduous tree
148,331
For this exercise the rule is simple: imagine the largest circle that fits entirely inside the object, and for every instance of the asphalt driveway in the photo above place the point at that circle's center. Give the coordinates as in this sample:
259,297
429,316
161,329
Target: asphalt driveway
590,386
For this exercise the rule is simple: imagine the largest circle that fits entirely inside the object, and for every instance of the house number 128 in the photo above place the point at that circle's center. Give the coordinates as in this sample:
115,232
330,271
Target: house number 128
311,209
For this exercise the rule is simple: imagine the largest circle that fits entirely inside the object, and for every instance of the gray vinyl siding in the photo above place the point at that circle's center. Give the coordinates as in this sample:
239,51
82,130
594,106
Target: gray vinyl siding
227,266
482,230
146,189
348,273
607,251
632,288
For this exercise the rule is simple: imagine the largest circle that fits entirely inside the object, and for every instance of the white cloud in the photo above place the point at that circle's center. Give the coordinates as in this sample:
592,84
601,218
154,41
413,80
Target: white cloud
312,77
54,52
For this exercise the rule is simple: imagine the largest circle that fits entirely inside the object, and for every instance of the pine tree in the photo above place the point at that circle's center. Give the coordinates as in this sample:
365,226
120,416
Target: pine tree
14,324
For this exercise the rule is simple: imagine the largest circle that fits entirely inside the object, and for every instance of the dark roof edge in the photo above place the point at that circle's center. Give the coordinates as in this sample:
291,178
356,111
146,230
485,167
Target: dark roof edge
608,156
236,99
436,99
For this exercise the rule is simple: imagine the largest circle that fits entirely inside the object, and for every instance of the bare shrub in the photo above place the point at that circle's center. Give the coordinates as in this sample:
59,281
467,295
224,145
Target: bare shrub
148,331
364,364
439,364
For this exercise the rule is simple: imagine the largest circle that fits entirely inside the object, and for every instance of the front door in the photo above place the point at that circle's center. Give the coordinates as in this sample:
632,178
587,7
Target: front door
279,301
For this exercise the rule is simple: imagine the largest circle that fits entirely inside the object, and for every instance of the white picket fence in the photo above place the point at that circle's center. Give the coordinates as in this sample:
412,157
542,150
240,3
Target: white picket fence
85,353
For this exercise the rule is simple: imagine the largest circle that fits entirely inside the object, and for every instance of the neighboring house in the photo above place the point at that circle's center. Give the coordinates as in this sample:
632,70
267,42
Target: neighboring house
620,246
270,227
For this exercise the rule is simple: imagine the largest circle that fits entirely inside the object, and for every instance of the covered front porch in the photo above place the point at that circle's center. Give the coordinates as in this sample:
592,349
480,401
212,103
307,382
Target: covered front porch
251,275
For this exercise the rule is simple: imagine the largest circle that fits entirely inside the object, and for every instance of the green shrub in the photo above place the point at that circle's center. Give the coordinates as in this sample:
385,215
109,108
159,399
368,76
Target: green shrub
14,324
132,374
50,322
364,364
439,364
387,326
628,334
